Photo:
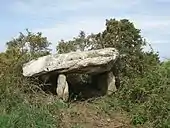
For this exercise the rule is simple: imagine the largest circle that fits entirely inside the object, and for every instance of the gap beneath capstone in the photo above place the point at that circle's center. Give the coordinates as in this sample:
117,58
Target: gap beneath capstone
59,70
80,86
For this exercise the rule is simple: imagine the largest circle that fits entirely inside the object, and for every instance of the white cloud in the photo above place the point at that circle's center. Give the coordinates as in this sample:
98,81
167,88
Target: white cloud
50,7
155,29
167,1
89,22
90,15
72,28
149,22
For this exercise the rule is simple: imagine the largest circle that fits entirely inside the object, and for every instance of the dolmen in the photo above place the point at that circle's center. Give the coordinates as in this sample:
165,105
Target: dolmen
98,63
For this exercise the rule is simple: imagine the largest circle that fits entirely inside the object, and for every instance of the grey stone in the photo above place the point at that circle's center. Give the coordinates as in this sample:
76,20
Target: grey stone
106,83
94,61
111,83
62,87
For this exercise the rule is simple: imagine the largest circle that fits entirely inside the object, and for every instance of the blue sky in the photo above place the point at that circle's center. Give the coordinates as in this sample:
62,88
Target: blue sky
63,19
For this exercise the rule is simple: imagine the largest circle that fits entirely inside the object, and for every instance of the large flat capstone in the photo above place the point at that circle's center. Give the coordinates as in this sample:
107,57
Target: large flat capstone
94,61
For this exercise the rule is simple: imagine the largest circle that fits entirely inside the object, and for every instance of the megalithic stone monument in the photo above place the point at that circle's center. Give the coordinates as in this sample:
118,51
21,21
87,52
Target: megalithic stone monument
93,62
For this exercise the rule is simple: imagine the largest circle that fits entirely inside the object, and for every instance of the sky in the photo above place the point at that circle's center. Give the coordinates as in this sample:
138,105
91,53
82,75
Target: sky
64,19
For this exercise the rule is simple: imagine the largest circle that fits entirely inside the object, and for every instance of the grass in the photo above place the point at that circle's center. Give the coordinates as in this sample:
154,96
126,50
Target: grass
15,113
23,111
26,116
21,107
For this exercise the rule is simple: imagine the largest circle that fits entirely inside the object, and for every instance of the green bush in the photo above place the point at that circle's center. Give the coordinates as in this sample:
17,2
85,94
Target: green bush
143,94
146,98
16,111
23,115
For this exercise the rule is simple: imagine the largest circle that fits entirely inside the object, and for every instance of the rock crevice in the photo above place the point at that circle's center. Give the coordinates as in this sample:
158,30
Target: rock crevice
97,63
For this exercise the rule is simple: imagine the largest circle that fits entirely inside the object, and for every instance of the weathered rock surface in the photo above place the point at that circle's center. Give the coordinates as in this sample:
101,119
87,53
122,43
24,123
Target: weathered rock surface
94,61
62,87
105,82
111,83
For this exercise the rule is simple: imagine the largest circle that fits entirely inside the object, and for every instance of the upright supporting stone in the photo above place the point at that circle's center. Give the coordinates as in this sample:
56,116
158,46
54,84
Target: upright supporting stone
62,87
111,83
106,83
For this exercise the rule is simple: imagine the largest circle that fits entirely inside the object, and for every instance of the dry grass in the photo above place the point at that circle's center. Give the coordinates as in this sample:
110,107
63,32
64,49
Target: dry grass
89,115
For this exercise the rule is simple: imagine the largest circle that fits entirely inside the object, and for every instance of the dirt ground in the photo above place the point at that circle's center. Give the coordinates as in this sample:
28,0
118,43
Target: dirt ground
85,115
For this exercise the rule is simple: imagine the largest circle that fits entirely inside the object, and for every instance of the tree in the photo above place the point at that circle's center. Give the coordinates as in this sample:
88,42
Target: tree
78,43
33,44
123,36
65,47
127,39
23,49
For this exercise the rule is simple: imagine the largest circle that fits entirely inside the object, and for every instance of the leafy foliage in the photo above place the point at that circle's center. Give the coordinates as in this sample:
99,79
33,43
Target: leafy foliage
15,110
29,42
145,82
121,35
78,43
147,97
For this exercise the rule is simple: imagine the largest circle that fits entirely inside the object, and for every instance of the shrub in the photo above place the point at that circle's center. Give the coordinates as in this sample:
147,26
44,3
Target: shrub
146,98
